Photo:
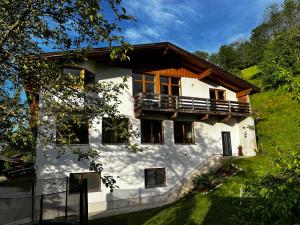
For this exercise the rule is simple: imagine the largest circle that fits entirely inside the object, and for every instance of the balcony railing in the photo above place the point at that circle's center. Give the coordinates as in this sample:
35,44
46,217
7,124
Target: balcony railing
185,104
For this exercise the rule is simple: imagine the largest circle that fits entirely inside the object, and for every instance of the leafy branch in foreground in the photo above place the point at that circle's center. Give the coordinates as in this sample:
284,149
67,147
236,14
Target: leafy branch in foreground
275,198
51,94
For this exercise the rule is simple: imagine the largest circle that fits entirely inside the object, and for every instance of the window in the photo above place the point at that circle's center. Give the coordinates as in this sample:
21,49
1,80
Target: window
73,130
217,94
169,85
93,181
114,131
143,83
82,77
155,177
152,131
183,132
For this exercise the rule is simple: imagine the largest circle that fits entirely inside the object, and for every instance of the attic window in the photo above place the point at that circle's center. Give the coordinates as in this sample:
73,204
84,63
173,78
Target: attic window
217,94
143,83
82,76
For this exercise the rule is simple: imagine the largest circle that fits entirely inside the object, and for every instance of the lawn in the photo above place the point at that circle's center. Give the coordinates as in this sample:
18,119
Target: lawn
278,128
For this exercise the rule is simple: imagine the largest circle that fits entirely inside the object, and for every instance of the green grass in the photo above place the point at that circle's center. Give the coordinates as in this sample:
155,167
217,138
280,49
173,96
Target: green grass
278,127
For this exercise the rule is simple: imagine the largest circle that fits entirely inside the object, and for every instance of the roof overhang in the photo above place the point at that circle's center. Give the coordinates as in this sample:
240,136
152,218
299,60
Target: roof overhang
157,56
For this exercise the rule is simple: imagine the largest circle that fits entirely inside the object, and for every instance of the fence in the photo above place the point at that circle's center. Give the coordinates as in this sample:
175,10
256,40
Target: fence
30,207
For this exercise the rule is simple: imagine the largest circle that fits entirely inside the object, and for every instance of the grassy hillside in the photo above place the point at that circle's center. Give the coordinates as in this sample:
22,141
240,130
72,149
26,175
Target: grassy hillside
278,127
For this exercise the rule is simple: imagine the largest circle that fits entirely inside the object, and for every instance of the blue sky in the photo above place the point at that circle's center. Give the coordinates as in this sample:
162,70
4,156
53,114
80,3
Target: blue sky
193,24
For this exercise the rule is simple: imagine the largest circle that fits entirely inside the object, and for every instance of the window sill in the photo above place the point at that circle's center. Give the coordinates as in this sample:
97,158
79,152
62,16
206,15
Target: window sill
156,187
185,143
73,145
152,143
115,144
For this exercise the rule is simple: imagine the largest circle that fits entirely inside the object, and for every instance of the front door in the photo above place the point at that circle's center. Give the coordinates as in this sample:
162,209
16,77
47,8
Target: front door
226,140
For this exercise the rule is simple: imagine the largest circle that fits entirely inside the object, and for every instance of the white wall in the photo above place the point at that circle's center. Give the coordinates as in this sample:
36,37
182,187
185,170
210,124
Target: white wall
127,167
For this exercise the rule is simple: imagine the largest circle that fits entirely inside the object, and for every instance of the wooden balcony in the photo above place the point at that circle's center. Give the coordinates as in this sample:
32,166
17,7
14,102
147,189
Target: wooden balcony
174,105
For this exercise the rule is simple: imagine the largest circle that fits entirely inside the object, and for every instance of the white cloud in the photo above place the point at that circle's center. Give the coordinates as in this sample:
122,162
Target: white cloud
158,17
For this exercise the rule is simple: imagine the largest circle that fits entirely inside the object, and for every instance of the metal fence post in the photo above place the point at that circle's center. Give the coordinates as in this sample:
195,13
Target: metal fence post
83,202
41,209
66,203
32,202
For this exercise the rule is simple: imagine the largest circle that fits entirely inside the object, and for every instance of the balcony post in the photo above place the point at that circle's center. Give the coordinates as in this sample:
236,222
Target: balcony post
207,105
176,102
159,101
193,107
229,106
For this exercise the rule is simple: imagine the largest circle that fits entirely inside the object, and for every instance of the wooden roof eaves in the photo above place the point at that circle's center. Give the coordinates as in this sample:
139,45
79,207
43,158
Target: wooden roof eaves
187,59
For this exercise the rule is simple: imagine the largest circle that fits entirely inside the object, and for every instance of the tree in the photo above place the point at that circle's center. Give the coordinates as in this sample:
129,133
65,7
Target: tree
202,54
281,61
62,25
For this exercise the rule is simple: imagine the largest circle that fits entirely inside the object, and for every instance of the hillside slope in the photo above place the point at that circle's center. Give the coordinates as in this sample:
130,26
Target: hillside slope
278,128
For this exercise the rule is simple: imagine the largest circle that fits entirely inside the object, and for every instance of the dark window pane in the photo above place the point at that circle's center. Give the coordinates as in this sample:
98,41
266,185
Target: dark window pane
164,90
136,76
146,131
164,79
175,80
151,131
114,131
149,77
160,177
221,95
212,94
157,131
149,87
150,177
183,132
74,185
175,90
93,181
137,87
89,78
178,132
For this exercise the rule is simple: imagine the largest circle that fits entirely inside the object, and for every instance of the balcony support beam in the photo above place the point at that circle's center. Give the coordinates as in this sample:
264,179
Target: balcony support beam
204,74
174,116
243,93
204,117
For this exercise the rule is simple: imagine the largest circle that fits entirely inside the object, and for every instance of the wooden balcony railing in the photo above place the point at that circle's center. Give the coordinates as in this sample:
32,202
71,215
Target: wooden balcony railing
185,104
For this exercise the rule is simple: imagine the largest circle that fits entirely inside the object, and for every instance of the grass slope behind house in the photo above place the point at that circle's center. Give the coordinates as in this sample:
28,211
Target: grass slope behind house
278,127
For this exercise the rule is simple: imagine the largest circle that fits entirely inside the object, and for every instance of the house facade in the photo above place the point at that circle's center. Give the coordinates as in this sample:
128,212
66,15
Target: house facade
189,113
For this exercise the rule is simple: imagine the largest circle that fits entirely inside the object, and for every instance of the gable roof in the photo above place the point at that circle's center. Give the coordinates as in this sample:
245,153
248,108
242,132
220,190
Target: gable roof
163,55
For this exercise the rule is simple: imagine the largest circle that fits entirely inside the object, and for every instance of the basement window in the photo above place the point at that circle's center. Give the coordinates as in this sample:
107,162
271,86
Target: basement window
93,181
73,130
155,177
114,131
151,131
183,132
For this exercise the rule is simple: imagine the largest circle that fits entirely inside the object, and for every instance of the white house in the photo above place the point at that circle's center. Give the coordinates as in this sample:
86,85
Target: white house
190,113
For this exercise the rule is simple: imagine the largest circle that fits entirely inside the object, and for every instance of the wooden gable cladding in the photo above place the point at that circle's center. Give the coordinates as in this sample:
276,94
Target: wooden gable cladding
181,72
172,72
